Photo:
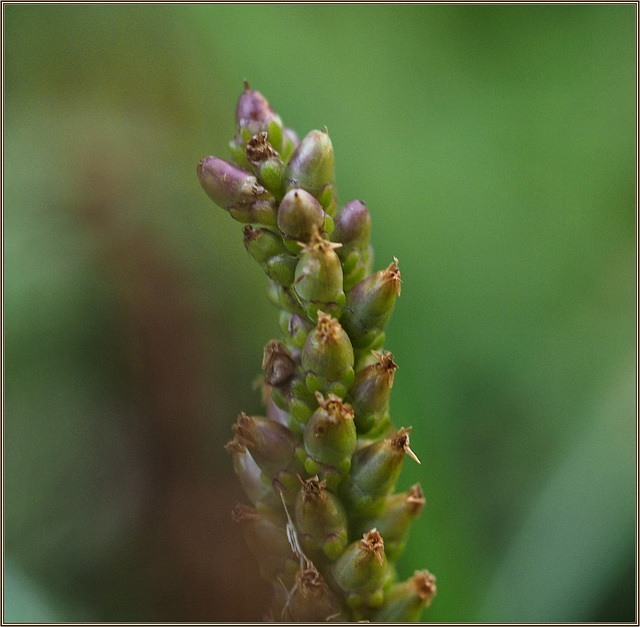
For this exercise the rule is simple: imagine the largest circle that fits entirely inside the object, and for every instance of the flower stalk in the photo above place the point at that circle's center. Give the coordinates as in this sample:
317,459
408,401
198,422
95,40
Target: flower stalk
321,466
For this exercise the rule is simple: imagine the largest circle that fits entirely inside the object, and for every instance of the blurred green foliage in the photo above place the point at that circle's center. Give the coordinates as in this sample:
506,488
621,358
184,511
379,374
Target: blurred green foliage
495,148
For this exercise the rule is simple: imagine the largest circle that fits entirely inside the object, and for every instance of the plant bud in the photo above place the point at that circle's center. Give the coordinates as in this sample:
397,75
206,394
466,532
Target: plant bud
371,390
267,249
330,435
404,601
360,570
266,537
255,115
374,471
352,226
295,328
396,517
282,297
312,166
250,476
227,184
260,211
321,520
327,357
290,141
271,444
311,600
299,215
277,363
318,277
265,162
369,305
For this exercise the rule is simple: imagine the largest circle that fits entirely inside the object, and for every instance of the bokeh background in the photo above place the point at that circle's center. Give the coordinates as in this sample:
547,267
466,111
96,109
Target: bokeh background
495,148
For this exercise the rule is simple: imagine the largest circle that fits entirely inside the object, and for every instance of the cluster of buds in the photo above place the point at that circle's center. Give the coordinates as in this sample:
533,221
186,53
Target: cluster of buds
320,468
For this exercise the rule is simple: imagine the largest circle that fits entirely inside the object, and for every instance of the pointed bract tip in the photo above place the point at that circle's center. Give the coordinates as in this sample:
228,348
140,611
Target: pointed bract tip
373,543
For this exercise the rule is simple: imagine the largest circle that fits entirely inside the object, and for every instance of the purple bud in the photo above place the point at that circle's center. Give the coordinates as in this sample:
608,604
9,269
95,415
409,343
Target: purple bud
352,226
253,111
227,184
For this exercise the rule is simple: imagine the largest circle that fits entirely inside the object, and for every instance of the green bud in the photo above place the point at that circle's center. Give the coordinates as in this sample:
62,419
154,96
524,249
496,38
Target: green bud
266,537
374,471
330,435
295,328
261,211
320,519
262,244
327,357
312,164
249,474
396,517
271,444
360,570
369,305
371,390
265,162
290,141
318,277
299,215
282,297
255,115
311,600
267,249
404,601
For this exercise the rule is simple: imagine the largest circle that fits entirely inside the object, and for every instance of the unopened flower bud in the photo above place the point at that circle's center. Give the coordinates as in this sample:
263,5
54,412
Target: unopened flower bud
321,520
404,601
266,537
312,601
249,474
265,162
352,226
371,390
318,277
290,141
299,216
369,305
312,164
271,444
330,435
375,469
277,363
327,357
394,520
254,113
227,184
295,327
360,570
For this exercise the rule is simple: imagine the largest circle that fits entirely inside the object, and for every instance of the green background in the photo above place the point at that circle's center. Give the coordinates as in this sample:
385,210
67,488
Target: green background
495,148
